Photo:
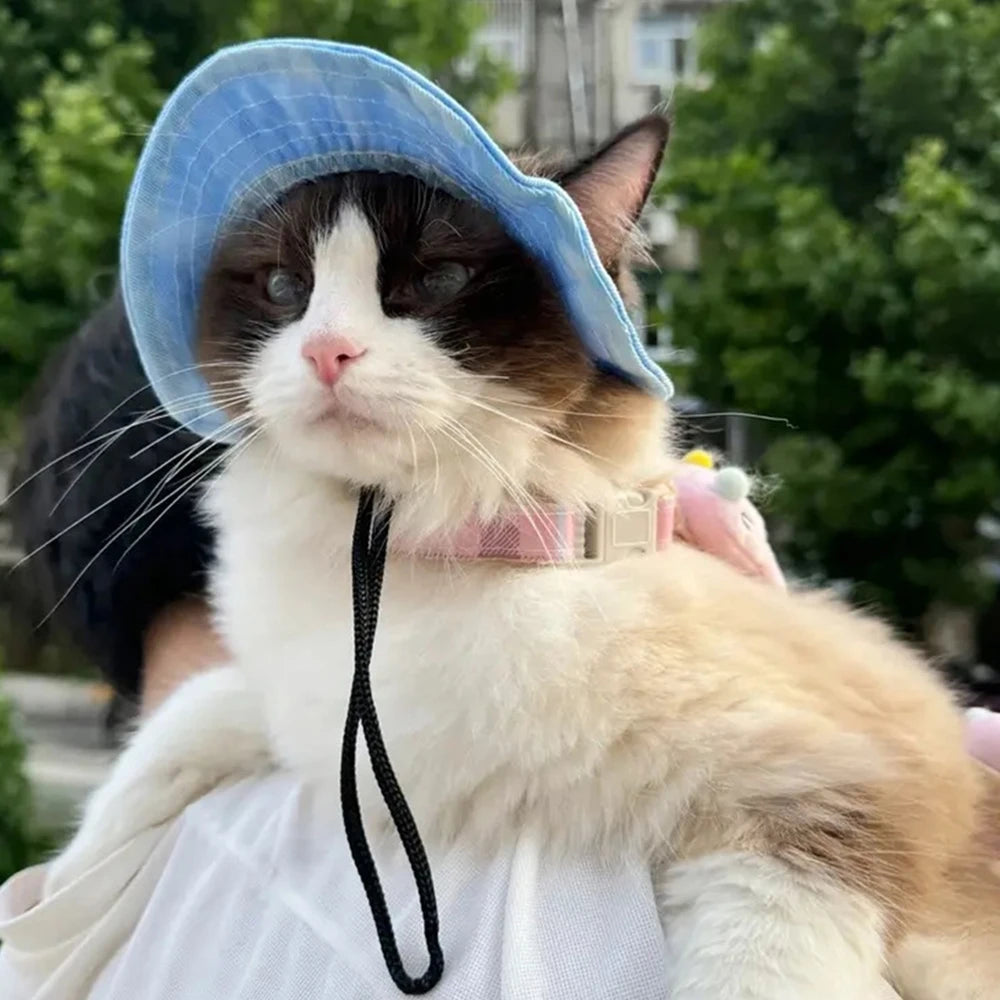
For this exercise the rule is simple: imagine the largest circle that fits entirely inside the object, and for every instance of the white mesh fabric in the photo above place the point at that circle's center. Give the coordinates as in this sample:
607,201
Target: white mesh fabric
258,900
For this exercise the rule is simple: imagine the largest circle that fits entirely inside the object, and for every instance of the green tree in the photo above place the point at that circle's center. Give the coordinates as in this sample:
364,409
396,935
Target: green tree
18,846
432,36
79,86
842,165
77,140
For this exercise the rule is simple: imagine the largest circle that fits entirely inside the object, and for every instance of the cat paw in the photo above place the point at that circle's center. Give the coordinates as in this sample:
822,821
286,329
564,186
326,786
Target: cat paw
209,732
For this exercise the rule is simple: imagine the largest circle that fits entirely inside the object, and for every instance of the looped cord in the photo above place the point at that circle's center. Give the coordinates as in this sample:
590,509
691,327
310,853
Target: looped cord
371,538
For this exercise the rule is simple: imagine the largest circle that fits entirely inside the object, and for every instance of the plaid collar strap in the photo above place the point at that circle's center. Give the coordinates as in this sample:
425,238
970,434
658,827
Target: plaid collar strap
641,521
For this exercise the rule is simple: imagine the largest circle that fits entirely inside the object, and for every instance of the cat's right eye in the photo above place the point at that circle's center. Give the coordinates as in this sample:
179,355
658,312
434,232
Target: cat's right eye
285,288
444,281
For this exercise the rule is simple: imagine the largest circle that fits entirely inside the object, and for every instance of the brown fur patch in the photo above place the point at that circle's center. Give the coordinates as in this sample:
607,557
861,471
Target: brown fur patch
953,949
823,742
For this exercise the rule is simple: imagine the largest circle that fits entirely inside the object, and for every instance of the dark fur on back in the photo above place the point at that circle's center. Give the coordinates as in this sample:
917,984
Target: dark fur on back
109,609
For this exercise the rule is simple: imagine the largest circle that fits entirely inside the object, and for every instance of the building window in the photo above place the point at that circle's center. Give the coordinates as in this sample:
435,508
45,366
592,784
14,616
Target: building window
664,47
681,48
650,57
507,32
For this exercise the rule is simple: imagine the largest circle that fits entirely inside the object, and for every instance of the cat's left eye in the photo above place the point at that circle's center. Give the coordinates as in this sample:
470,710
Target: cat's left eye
285,288
444,281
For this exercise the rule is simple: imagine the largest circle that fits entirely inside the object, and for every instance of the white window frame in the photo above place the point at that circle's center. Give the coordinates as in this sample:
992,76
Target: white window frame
664,30
507,32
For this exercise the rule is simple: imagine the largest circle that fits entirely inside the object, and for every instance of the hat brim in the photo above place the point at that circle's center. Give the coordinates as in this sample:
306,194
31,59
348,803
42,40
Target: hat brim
256,119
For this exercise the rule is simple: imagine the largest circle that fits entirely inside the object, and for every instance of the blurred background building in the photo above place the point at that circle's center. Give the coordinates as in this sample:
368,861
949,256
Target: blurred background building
587,68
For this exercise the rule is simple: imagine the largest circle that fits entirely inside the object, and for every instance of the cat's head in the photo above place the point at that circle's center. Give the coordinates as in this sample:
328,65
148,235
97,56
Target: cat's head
381,332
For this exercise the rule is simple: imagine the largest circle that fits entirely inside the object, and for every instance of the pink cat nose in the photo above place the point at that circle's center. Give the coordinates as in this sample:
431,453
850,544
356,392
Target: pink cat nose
329,356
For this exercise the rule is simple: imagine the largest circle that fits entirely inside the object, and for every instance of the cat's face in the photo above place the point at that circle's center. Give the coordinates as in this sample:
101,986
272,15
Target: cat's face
385,333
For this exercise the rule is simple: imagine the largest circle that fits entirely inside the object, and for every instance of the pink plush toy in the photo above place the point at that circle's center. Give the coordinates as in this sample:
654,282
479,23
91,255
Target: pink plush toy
714,514
982,736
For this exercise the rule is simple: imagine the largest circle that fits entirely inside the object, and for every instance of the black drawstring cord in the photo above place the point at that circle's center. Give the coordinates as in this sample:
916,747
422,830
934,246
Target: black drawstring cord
371,541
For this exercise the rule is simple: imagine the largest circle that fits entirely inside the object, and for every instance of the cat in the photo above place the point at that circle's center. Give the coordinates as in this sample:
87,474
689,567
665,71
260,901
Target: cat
794,775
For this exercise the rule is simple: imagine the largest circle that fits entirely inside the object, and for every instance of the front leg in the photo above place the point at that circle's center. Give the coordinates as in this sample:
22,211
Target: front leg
740,926
211,729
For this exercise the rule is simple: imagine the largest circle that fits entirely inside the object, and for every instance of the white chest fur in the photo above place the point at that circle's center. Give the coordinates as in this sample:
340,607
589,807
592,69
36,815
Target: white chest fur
490,681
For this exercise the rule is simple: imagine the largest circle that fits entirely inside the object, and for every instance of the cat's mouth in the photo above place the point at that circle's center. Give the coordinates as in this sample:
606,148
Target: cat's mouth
339,412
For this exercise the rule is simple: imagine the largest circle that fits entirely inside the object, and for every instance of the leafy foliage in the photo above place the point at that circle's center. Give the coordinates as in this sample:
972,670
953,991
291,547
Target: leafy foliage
430,35
78,140
18,846
79,86
843,169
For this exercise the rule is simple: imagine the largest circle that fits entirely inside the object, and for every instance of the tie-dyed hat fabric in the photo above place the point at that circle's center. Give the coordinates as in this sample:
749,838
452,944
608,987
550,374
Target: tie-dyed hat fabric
256,119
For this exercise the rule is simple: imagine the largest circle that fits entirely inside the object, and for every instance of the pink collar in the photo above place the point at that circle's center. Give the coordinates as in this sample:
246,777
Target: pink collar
642,521
704,507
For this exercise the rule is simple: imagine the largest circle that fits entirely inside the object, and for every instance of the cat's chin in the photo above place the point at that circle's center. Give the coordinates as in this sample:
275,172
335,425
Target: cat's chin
335,418
345,409
338,436
346,448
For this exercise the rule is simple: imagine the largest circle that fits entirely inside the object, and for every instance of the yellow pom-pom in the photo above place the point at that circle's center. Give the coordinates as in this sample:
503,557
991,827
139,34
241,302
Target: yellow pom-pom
700,457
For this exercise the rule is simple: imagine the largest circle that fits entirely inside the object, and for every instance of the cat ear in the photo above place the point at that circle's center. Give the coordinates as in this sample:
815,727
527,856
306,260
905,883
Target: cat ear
610,187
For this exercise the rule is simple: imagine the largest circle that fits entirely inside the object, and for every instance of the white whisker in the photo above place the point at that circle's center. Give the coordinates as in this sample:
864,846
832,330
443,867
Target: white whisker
532,427
184,488
199,444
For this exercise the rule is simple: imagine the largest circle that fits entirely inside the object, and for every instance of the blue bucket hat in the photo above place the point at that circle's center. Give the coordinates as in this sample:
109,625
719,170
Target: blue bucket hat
254,120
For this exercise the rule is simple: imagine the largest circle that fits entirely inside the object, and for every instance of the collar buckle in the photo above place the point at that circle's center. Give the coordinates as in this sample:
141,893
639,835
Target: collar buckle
641,521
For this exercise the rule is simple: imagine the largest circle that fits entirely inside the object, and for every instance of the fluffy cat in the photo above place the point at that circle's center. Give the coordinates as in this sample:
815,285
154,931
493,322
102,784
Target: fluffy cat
795,777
